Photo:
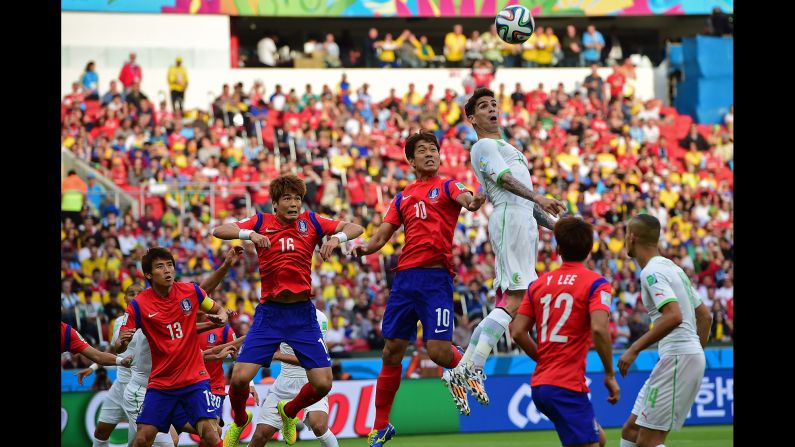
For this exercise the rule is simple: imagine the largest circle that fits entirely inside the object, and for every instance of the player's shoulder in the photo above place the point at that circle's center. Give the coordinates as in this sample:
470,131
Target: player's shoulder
484,144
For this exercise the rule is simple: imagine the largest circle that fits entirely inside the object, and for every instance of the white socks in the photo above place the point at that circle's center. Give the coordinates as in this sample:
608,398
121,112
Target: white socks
492,328
625,443
328,439
97,443
473,343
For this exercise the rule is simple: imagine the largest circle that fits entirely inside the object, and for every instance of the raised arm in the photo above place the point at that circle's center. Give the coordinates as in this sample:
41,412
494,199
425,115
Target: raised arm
344,232
381,237
600,331
703,324
211,282
470,202
231,231
511,184
543,218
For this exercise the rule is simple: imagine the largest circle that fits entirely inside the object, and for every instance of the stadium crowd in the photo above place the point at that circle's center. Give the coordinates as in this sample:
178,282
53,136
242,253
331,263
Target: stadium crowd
606,153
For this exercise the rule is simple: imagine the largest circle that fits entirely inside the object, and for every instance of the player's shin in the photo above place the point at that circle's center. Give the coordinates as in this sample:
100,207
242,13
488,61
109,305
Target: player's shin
328,439
306,397
492,328
237,399
473,343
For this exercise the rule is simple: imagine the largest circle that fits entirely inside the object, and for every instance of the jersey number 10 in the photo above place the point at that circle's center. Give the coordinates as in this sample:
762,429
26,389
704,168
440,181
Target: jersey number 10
562,298
419,208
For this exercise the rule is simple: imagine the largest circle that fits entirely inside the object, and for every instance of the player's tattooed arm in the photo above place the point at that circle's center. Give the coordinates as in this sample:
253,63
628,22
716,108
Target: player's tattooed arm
543,218
511,184
381,237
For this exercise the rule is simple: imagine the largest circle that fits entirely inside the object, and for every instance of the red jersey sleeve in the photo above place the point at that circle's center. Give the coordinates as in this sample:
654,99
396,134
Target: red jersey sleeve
77,344
454,188
392,213
526,308
250,223
601,296
329,226
132,317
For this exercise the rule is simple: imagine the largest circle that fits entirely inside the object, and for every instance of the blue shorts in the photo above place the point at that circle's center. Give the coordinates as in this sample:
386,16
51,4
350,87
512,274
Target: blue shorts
294,324
570,411
424,295
163,408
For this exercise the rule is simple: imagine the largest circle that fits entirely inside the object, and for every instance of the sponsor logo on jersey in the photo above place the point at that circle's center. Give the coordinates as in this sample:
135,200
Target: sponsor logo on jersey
186,305
211,339
434,193
303,227
651,279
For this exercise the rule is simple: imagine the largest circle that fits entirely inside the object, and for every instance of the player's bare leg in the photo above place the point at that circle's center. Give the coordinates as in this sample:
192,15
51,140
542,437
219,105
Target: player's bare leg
318,387
174,435
238,395
629,432
102,434
208,431
385,390
649,437
318,423
262,435
145,435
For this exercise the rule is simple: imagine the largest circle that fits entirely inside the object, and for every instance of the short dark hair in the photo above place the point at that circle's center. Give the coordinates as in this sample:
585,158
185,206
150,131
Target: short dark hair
151,255
422,135
574,237
646,228
287,184
469,108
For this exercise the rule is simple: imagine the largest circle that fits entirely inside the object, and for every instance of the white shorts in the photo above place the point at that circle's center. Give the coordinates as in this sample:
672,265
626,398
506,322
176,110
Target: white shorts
133,400
112,411
514,237
669,392
285,388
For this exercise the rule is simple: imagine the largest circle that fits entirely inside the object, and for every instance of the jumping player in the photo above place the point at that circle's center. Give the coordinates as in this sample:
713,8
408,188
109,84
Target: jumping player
166,314
567,306
285,242
423,287
503,172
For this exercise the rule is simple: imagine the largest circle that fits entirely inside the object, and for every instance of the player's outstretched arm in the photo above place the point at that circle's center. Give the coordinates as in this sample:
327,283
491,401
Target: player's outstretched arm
211,282
344,232
543,218
520,331
600,331
703,324
215,313
671,319
286,358
106,358
231,231
511,184
470,202
381,237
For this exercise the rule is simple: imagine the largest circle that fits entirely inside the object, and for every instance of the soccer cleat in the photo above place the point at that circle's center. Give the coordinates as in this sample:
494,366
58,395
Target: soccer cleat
288,425
474,381
233,432
454,382
377,438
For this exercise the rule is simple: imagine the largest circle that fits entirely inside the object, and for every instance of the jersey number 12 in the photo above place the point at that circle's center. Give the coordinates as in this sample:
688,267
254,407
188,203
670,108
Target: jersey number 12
562,298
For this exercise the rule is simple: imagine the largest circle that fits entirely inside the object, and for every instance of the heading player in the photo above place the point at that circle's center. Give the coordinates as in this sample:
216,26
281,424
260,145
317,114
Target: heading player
285,243
568,306
428,209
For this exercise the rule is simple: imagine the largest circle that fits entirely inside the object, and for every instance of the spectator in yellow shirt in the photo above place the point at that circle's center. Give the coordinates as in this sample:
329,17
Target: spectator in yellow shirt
530,49
177,84
455,44
388,47
547,45
424,52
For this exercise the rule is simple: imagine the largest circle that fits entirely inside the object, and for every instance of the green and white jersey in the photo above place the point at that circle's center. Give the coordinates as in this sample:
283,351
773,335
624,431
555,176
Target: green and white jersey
491,159
662,282
289,370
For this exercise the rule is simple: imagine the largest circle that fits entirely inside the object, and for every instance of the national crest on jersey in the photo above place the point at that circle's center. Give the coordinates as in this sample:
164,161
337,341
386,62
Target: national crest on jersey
303,227
212,338
433,194
186,305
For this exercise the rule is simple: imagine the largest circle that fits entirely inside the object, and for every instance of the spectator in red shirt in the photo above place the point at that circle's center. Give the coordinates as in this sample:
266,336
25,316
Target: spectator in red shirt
130,73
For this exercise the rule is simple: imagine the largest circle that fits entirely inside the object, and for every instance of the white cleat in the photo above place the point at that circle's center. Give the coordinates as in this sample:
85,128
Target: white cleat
454,381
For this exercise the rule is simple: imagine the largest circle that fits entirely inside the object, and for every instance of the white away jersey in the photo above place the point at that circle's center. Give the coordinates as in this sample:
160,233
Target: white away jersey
289,370
122,374
142,358
662,282
491,159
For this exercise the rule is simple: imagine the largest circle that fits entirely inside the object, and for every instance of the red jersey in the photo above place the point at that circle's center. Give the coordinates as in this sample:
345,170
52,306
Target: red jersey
560,302
71,341
211,339
429,213
170,326
287,264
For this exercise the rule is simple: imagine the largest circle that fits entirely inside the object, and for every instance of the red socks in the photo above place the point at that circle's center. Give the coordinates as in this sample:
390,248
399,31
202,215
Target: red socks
237,399
385,389
306,397
457,356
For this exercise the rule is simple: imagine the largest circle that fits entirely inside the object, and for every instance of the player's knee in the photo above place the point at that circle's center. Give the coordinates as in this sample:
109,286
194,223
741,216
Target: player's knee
391,356
440,356
322,386
319,429
629,431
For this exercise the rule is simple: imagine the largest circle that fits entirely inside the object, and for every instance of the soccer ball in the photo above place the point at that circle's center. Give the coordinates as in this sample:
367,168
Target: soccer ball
515,24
